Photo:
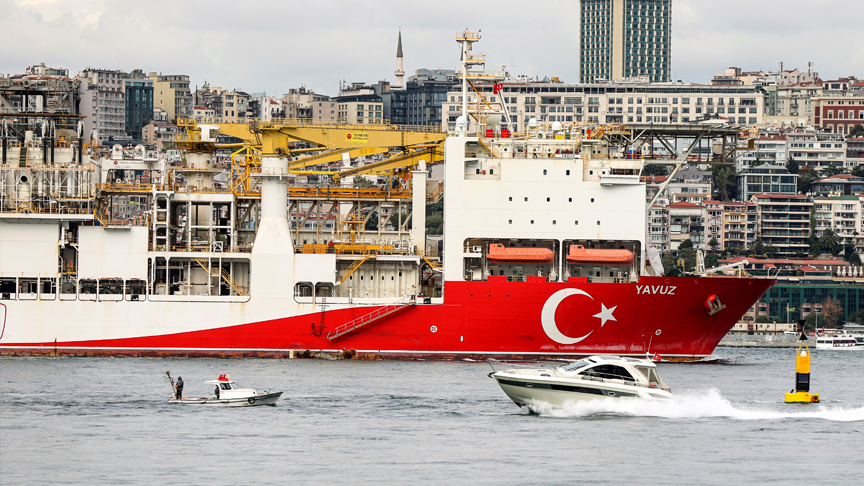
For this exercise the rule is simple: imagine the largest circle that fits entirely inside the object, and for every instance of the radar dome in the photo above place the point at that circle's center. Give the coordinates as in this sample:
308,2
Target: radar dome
556,126
532,123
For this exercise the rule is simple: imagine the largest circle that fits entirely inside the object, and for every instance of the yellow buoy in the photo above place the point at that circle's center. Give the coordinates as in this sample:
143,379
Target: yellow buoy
802,377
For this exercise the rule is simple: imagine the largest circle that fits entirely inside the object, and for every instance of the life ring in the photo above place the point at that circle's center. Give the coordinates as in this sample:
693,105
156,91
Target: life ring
251,400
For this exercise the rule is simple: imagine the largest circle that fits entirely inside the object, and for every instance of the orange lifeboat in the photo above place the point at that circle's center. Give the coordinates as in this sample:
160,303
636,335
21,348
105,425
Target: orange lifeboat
579,254
499,253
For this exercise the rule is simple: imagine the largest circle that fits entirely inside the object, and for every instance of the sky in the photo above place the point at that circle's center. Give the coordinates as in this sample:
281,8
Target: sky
272,46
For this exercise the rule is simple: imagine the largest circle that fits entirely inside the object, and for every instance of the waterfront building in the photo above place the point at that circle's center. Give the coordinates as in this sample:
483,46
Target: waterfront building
358,103
838,114
818,150
625,38
138,91
420,103
171,93
103,103
838,185
739,224
783,221
686,222
616,102
842,214
765,179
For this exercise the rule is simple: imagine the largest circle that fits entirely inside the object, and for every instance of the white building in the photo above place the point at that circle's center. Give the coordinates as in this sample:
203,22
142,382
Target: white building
103,103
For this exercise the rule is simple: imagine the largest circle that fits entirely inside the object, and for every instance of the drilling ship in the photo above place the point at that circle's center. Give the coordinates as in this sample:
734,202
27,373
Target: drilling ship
543,253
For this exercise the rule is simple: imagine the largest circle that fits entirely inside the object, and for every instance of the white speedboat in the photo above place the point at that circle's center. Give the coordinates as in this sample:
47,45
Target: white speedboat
226,394
842,342
592,378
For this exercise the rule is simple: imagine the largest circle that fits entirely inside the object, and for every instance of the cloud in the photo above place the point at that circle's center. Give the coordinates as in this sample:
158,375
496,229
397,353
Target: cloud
276,45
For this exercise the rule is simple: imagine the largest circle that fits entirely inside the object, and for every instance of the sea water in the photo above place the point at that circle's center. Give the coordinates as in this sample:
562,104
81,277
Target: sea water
107,421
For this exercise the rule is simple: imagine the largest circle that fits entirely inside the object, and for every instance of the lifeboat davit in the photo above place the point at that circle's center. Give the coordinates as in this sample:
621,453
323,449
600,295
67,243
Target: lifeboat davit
499,253
580,254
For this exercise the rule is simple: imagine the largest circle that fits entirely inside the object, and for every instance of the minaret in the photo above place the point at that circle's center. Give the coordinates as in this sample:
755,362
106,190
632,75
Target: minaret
399,72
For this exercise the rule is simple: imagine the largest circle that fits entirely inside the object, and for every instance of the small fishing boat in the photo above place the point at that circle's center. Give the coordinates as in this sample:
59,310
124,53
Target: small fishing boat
226,394
500,253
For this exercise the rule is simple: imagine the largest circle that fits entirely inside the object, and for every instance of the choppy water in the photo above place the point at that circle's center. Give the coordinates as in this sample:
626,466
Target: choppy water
107,421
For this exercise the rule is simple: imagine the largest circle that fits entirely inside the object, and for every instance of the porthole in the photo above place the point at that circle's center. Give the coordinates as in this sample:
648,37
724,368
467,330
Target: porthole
592,199
570,199
568,172
548,199
544,171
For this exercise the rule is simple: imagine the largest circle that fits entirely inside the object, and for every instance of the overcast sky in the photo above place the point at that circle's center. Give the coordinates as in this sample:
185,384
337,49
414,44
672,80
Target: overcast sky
276,45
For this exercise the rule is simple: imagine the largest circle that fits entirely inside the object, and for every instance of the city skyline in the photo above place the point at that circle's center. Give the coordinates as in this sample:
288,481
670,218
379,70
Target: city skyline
357,42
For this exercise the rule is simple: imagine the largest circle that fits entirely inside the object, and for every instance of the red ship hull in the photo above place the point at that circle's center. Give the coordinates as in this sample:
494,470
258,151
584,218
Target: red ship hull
665,316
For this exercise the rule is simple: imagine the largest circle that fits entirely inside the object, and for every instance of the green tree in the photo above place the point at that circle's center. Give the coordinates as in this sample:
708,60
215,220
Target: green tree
857,131
669,263
685,244
830,241
711,261
832,170
723,177
856,317
806,176
813,239
654,170
758,247
689,257
771,251
435,218
855,259
792,166
858,171
713,243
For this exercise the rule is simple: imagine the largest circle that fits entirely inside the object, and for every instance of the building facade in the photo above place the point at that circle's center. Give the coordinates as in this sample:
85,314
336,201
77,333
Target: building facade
172,94
838,114
784,222
818,150
103,103
618,102
766,179
420,103
625,38
139,105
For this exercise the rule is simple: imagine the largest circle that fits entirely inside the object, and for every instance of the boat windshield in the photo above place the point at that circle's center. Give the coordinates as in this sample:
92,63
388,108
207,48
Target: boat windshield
576,365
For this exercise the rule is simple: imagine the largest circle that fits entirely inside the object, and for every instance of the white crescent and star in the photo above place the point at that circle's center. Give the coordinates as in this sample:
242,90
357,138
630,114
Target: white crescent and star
547,315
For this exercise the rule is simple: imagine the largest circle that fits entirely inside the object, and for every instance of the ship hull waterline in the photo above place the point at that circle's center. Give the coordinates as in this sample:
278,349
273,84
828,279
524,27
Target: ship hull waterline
505,320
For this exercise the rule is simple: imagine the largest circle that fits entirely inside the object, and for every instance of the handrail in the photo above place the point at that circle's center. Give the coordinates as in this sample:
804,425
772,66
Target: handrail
367,318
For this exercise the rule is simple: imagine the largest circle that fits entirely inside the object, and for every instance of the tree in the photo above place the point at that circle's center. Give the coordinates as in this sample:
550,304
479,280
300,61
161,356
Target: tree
669,263
832,170
806,176
858,171
830,242
848,250
713,243
685,244
435,218
654,170
857,131
813,240
856,317
711,261
758,248
832,311
812,320
855,259
771,251
689,257
723,177
792,166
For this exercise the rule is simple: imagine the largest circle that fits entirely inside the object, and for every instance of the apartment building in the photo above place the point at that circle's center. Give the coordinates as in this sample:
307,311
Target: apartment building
159,134
617,102
421,100
795,103
818,150
687,222
839,185
658,227
171,93
359,104
625,38
838,114
768,149
739,224
842,214
103,103
713,225
765,179
784,221
854,152
203,115
138,93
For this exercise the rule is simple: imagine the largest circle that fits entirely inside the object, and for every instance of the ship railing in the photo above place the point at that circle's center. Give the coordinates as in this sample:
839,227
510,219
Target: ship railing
371,317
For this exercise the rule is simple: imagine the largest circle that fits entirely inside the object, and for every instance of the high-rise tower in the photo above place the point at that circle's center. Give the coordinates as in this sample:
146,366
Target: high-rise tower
624,38
399,72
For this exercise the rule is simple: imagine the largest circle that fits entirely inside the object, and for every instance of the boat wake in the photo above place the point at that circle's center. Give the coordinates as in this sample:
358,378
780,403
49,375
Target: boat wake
698,405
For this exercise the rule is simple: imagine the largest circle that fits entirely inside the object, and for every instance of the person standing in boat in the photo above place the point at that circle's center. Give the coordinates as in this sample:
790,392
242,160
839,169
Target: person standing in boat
179,387
217,392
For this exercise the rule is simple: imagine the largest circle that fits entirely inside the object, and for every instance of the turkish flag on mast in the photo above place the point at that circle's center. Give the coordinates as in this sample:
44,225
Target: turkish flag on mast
498,87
